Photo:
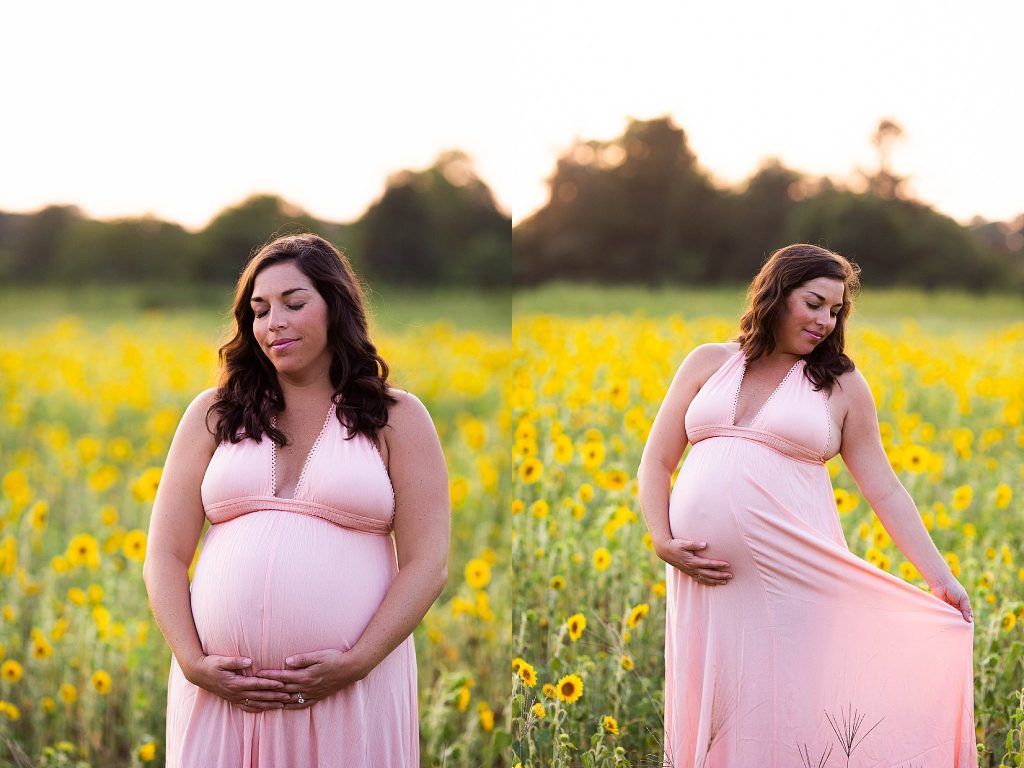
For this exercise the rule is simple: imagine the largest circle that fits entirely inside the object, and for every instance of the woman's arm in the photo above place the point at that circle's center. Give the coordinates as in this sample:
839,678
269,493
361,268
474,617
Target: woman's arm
665,445
422,526
174,530
864,456
419,477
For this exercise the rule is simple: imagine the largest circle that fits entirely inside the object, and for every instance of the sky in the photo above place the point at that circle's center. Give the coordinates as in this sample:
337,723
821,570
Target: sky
182,109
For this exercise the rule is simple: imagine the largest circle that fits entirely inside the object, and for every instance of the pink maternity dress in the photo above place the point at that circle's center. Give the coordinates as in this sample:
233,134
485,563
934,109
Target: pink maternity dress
809,656
282,576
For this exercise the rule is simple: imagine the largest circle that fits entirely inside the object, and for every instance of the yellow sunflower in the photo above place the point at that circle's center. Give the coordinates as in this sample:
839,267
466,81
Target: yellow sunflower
570,688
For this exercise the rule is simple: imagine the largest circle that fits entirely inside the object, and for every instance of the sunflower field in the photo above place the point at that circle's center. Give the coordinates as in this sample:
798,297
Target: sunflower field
87,411
588,618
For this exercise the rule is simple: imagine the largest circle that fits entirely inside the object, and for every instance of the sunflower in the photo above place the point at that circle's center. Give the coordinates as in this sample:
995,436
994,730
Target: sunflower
527,674
593,455
41,648
68,693
563,449
147,752
478,573
11,671
610,725
576,625
1004,494
636,614
83,549
962,497
134,545
570,688
531,470
101,681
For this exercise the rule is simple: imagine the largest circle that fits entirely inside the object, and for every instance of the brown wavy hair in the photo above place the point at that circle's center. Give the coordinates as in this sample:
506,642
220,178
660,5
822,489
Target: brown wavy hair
785,270
248,390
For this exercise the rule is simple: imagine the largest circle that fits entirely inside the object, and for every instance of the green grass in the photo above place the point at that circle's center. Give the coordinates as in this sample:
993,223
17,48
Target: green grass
491,311
942,312
391,308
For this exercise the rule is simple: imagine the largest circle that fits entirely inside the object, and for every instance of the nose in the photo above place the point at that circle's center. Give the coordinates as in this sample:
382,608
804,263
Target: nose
276,318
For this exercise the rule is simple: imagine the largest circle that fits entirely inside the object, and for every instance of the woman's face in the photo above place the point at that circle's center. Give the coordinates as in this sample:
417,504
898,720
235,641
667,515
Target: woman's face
810,315
290,319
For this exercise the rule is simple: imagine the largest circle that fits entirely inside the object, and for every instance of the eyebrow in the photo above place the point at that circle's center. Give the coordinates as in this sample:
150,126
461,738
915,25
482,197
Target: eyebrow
254,299
822,298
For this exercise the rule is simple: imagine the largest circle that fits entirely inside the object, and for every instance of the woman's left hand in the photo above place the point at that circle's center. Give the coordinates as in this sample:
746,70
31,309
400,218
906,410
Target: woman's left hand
317,674
953,592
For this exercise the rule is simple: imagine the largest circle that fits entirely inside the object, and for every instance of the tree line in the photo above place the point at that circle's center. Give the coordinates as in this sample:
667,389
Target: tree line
439,226
640,209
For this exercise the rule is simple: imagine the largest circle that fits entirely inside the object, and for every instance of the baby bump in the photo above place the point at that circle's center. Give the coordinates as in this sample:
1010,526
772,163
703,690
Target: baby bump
700,506
273,583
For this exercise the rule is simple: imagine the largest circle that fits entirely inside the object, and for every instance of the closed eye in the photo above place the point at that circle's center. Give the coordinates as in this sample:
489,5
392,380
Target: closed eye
300,306
818,306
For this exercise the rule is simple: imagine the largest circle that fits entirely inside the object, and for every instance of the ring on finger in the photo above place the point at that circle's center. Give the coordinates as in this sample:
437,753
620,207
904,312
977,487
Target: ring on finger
245,703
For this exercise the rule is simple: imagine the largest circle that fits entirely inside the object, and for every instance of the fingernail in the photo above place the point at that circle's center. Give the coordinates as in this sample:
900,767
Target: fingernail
289,660
246,662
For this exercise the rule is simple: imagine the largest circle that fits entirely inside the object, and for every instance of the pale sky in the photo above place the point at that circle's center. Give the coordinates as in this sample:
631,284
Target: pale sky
182,109
804,80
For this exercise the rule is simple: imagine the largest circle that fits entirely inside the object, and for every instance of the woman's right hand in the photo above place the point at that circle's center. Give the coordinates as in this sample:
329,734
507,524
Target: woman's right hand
682,555
221,675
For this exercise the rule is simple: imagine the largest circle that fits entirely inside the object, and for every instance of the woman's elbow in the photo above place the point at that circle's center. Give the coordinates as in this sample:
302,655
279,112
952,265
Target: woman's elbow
440,579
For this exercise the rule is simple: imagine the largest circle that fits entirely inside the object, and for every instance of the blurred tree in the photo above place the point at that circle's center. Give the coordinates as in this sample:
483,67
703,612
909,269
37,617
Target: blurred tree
884,182
638,209
757,219
122,250
227,243
635,208
438,226
895,242
36,242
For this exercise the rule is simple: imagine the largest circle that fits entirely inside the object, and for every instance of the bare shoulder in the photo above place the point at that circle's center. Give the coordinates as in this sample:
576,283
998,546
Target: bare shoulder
196,425
408,409
853,387
408,419
851,394
411,447
705,359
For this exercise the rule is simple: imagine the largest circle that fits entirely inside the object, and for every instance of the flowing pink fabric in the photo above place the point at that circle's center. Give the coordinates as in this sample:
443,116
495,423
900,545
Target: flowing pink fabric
277,577
809,656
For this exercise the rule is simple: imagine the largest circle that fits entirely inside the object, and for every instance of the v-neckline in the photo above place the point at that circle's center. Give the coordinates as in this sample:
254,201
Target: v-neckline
305,464
739,389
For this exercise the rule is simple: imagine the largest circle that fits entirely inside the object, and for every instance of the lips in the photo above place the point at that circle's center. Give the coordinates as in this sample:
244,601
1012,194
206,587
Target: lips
813,335
280,343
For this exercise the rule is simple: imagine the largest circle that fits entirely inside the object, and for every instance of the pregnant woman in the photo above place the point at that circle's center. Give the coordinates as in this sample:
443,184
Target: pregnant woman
293,646
782,647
